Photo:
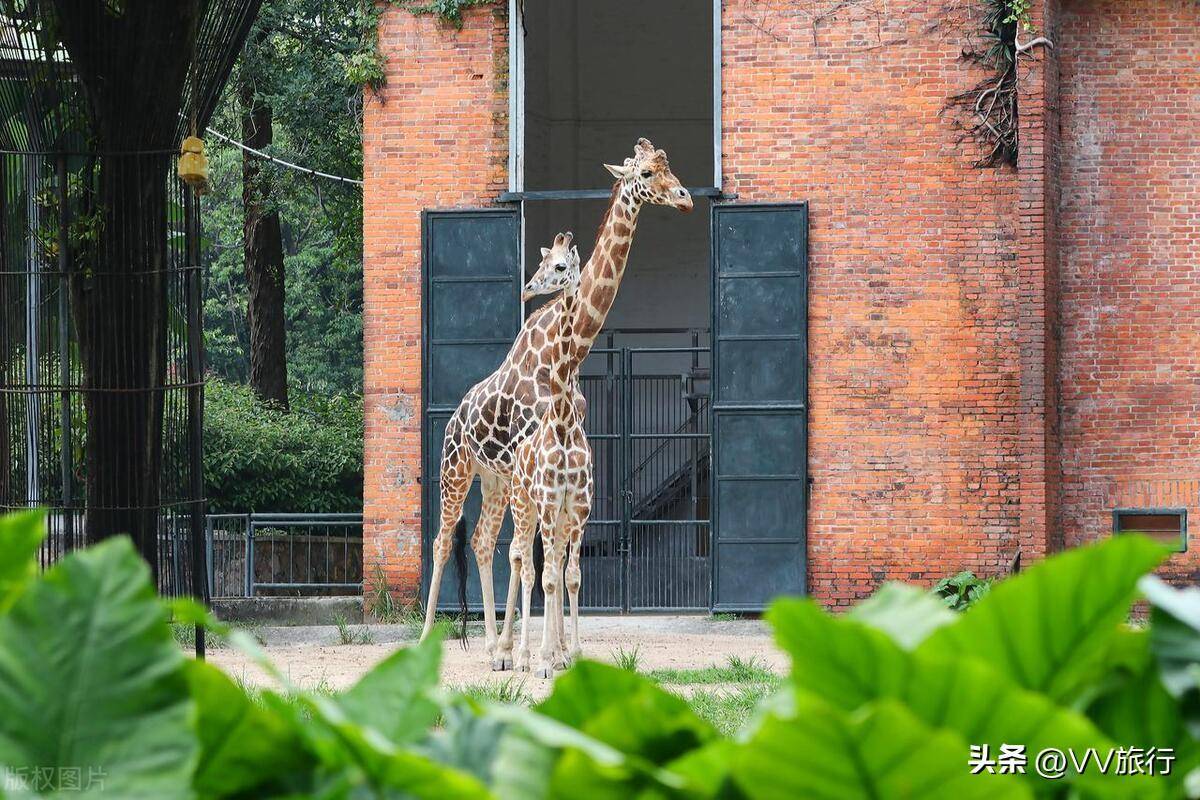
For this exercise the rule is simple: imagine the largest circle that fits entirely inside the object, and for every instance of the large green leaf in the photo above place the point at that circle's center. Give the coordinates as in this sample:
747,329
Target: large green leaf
1136,710
905,613
393,697
879,751
20,537
91,678
1047,629
627,711
385,764
1175,642
852,665
566,758
242,745
467,741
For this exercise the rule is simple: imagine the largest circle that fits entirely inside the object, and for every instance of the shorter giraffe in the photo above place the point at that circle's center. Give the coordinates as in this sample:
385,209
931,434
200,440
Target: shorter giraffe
552,482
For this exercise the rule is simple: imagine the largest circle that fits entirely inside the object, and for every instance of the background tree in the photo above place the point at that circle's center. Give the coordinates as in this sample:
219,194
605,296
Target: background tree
306,107
262,241
132,64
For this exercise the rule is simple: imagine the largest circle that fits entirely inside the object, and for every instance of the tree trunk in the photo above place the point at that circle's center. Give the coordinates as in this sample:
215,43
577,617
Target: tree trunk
263,245
121,318
131,65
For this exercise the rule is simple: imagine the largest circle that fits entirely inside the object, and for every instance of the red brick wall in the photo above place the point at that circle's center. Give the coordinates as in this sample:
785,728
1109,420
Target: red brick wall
1130,255
914,381
998,356
436,136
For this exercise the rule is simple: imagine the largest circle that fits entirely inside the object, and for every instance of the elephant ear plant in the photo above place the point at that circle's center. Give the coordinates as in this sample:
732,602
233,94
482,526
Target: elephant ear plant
886,701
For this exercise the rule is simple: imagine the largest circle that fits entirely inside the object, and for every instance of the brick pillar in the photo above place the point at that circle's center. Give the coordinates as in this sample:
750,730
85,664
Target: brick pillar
435,136
1037,252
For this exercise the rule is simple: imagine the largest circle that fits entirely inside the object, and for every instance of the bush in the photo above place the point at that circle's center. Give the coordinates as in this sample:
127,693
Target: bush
886,701
260,459
962,591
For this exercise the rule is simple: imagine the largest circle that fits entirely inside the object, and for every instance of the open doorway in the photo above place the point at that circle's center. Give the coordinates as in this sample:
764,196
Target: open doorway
591,78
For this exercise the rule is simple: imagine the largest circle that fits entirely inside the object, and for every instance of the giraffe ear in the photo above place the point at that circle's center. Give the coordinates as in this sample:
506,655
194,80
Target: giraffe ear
575,253
545,252
618,172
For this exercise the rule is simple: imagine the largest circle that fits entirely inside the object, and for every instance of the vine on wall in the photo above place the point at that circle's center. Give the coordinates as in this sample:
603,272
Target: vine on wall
365,66
991,107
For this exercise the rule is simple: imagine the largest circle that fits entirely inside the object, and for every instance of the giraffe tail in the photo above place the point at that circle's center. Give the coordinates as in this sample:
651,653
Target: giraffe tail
460,572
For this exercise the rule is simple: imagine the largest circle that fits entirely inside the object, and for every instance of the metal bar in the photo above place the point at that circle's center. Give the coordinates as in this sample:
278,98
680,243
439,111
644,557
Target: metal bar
309,585
249,556
591,194
208,553
64,358
195,369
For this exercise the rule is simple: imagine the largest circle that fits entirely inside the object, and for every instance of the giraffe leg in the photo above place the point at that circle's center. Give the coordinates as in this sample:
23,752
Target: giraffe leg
528,576
551,574
457,474
560,660
483,542
524,529
502,658
573,581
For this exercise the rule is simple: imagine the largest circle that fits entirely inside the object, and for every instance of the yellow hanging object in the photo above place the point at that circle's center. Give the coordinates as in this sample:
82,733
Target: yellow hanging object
193,164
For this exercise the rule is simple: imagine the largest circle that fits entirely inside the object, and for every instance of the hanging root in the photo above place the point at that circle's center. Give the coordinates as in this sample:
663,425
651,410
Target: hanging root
460,572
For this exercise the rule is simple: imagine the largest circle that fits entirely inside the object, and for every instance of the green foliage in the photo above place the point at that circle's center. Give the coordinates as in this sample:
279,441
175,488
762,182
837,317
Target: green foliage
260,459
628,658
1018,11
449,10
299,68
963,590
89,675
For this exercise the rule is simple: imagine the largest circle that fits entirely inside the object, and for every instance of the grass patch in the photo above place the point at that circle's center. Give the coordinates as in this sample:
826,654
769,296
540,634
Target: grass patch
723,616
185,635
348,635
509,690
728,711
735,670
630,659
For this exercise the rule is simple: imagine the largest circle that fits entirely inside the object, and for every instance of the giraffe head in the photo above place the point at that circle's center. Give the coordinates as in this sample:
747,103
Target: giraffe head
559,269
650,177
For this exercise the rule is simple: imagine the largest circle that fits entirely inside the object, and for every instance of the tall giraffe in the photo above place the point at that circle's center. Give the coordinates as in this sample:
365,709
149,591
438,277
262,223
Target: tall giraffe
502,410
552,479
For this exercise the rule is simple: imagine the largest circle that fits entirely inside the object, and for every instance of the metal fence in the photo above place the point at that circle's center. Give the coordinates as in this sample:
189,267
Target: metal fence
253,555
647,545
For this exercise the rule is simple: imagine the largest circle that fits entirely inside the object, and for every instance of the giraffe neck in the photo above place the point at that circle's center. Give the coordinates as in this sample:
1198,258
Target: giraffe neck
562,368
604,270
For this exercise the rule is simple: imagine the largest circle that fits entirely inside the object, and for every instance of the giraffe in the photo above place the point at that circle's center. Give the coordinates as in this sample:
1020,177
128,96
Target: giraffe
552,480
502,411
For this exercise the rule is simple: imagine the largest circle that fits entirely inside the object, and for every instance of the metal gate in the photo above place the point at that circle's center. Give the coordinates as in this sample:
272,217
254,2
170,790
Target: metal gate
648,544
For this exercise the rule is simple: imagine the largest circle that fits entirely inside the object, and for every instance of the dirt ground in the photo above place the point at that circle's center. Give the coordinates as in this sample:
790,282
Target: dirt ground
315,657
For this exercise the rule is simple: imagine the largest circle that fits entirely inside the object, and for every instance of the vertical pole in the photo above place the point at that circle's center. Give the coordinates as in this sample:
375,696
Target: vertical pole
64,357
626,466
195,380
249,556
208,555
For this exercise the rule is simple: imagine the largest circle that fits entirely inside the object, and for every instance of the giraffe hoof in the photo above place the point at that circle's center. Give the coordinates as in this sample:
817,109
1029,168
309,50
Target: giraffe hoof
502,662
544,671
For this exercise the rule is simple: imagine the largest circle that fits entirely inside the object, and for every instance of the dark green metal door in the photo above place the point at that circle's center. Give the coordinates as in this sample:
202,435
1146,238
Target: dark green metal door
471,283
760,392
